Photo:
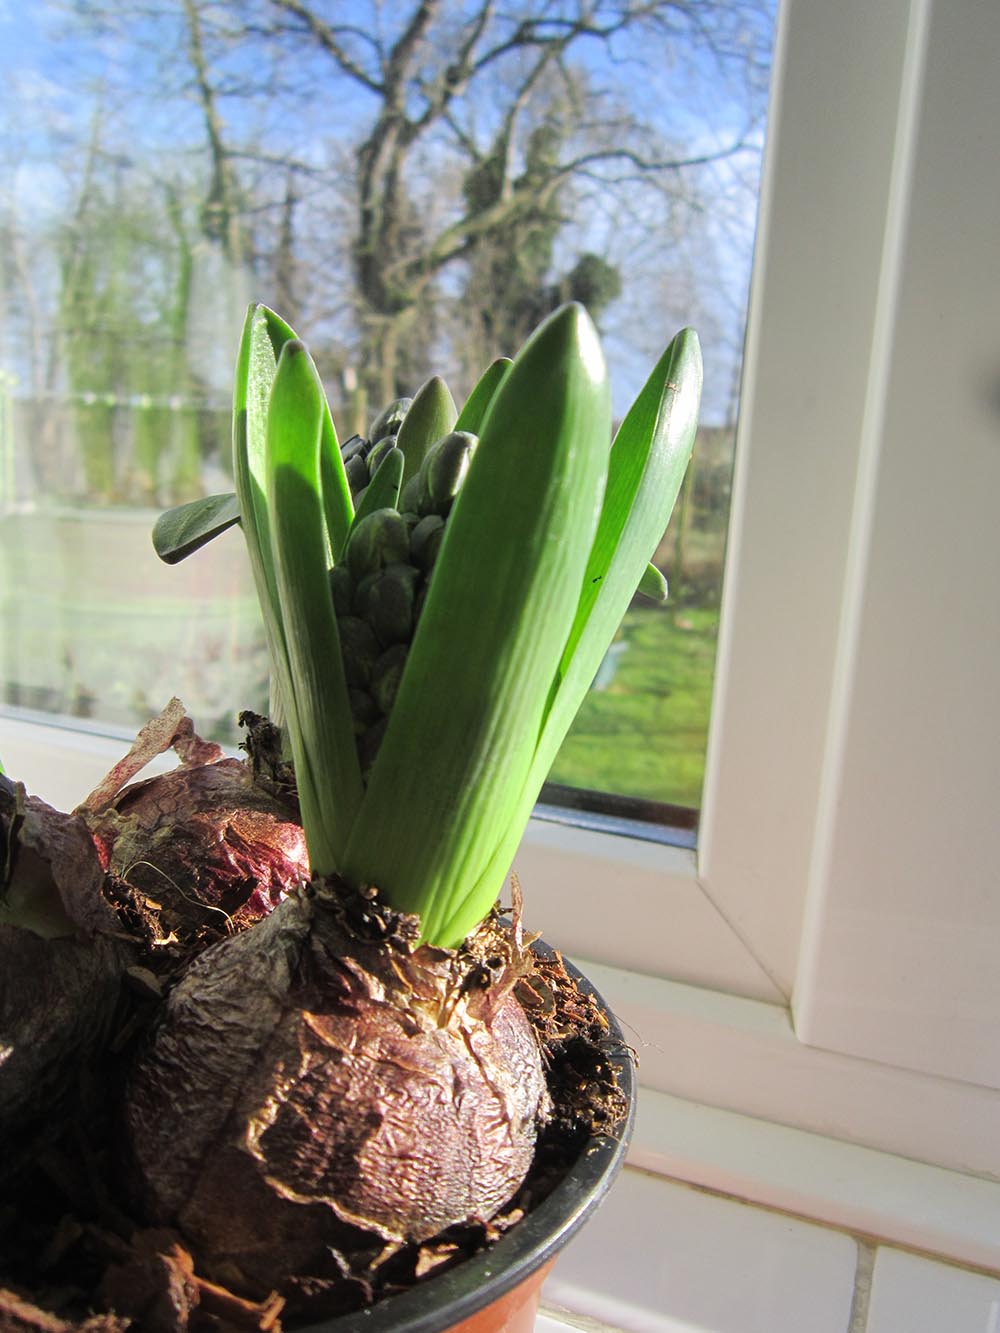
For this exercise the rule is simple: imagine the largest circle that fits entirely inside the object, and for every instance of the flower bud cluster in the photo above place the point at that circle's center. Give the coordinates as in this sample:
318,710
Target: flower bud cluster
380,585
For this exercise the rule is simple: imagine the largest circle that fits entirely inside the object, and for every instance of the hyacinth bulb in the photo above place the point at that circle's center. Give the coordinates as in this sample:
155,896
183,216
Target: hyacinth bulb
207,844
205,850
61,965
141,877
319,1088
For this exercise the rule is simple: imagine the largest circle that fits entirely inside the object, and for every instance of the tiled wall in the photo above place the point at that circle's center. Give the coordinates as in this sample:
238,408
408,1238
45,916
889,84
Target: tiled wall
665,1258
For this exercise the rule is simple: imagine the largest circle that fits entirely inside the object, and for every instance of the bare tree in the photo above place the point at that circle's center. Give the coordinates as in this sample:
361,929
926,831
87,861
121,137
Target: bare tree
425,80
469,148
513,279
221,217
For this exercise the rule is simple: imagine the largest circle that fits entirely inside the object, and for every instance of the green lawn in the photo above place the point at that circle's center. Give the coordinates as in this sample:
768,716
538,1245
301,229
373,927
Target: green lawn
643,732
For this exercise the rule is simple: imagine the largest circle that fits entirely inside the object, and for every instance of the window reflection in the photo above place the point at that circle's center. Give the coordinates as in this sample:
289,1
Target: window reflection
413,188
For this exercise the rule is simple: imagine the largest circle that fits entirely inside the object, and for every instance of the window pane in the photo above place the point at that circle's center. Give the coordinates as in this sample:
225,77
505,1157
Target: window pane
410,207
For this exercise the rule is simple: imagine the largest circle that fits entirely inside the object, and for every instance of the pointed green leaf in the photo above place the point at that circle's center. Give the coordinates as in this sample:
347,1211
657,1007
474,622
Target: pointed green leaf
431,415
264,334
338,507
255,367
188,527
382,491
464,727
322,734
648,459
653,585
471,416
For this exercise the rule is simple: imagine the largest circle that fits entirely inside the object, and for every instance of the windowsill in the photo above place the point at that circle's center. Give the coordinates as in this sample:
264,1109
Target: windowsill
874,1194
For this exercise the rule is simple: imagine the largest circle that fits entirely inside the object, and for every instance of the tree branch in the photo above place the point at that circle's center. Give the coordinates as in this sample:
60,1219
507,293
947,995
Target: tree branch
328,39
455,77
561,32
649,165
397,66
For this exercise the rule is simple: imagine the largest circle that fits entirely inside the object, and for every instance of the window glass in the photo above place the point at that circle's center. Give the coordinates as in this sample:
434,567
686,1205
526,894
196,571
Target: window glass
412,187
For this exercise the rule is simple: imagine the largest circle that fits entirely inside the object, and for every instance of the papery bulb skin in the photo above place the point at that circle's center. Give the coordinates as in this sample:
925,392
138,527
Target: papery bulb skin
312,1091
62,960
210,845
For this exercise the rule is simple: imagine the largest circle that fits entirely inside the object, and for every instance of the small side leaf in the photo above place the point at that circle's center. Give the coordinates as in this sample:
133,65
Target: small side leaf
382,491
338,507
653,585
431,415
188,527
649,457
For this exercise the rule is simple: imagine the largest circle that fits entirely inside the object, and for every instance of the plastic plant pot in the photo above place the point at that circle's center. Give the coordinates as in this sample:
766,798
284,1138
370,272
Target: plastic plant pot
497,1291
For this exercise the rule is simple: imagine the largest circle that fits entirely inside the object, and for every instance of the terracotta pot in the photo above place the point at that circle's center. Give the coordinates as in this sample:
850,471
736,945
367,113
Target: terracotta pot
497,1292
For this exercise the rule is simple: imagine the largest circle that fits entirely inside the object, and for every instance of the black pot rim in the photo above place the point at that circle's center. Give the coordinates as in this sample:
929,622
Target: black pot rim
473,1285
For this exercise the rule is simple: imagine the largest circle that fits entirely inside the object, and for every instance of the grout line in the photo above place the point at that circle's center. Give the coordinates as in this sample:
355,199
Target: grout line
858,1321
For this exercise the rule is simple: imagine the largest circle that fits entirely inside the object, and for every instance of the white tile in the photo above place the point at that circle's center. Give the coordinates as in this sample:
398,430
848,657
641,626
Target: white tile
663,1258
915,1295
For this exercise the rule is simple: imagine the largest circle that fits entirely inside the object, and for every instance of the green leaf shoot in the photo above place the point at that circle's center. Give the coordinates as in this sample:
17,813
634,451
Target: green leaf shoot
186,528
471,416
327,772
653,585
383,489
464,726
430,416
338,508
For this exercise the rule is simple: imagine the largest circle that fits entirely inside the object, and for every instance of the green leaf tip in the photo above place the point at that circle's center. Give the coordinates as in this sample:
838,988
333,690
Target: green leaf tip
186,528
653,585
430,416
471,416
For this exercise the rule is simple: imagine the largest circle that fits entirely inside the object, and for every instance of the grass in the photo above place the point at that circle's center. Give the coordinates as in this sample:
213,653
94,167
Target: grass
644,731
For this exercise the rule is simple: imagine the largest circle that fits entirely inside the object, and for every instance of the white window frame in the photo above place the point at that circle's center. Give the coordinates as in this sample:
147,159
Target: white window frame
704,963
830,877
